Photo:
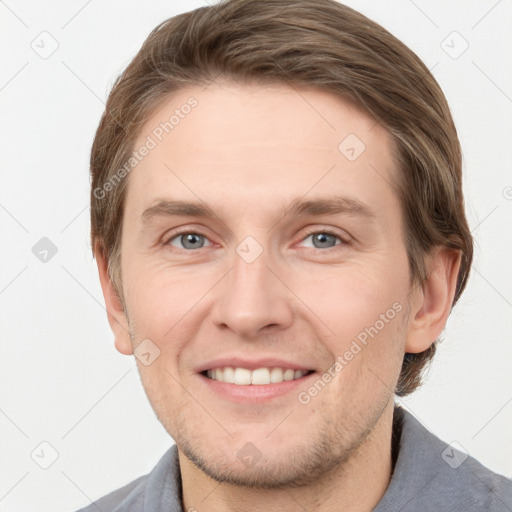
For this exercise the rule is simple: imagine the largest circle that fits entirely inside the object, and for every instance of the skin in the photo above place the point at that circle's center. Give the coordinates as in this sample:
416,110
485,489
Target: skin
248,151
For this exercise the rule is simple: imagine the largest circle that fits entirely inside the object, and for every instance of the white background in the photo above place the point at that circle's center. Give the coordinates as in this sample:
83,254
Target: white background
63,381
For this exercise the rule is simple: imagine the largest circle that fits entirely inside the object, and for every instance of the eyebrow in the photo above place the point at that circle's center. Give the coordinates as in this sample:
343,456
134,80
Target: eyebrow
298,207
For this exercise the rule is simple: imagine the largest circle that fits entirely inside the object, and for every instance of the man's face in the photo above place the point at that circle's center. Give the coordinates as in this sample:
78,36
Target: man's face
253,288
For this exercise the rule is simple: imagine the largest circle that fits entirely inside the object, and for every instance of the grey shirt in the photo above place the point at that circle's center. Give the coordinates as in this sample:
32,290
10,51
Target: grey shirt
428,475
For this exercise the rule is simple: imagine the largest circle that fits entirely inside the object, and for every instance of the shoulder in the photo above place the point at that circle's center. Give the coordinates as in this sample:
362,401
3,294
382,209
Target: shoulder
149,493
131,495
462,480
432,475
477,487
471,487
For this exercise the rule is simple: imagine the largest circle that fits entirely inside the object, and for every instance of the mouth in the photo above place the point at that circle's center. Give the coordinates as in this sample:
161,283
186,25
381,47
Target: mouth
257,377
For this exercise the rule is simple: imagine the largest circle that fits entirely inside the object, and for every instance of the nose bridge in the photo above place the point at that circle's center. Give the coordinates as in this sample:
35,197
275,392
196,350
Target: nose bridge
252,296
251,272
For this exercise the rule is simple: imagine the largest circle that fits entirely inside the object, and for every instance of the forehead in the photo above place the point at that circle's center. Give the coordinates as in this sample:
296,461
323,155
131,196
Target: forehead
251,146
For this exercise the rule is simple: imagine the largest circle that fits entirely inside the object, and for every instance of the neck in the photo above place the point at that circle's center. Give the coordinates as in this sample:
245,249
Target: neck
356,486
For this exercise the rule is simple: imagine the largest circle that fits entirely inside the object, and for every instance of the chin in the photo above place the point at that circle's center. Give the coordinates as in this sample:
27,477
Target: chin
285,467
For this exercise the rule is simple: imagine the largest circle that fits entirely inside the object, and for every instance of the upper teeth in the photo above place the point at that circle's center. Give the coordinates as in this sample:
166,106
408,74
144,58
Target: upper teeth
244,377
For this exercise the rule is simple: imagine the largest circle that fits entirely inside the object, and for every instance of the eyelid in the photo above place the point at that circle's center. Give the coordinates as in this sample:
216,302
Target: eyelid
166,239
345,240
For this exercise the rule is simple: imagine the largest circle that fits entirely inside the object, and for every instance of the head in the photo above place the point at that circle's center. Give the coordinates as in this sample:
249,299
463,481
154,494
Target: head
259,112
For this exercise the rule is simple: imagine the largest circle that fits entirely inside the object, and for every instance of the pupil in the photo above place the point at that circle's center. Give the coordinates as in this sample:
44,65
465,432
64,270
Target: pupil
322,238
191,239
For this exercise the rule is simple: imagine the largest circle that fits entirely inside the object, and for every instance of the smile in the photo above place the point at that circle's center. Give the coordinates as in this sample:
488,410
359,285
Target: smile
259,376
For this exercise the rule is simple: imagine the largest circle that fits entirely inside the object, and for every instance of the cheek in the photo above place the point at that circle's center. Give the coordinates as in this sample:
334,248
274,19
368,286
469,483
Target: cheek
350,299
161,300
161,384
364,309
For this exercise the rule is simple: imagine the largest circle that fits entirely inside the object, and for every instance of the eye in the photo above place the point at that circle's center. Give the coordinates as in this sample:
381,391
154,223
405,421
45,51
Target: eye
188,239
324,239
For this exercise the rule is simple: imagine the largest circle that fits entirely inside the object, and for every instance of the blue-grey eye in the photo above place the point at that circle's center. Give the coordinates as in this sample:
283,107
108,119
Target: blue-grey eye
189,241
323,240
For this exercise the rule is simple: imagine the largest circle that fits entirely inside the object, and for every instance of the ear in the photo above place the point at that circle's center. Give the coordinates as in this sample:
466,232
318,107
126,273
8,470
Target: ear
431,303
115,311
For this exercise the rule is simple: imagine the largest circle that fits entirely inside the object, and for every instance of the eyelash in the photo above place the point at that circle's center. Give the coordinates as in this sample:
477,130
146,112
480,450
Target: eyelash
307,235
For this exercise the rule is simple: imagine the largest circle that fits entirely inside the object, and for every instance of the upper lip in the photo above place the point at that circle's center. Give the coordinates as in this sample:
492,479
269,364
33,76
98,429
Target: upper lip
250,364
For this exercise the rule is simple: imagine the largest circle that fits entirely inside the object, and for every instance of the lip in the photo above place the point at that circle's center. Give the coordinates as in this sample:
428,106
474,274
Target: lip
251,364
252,393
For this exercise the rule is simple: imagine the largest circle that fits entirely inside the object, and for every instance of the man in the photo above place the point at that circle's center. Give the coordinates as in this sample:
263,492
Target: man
278,222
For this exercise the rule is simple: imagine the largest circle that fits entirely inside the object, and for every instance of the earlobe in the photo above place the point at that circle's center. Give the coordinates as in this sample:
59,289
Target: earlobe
432,302
115,311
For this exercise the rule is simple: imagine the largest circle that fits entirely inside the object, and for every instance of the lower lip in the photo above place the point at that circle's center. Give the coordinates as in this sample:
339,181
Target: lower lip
255,392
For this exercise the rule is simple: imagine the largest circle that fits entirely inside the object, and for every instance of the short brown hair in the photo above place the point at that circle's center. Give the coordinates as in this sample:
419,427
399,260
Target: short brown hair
312,43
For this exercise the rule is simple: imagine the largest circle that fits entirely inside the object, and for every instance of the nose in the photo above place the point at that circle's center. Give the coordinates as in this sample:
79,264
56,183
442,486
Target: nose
253,298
